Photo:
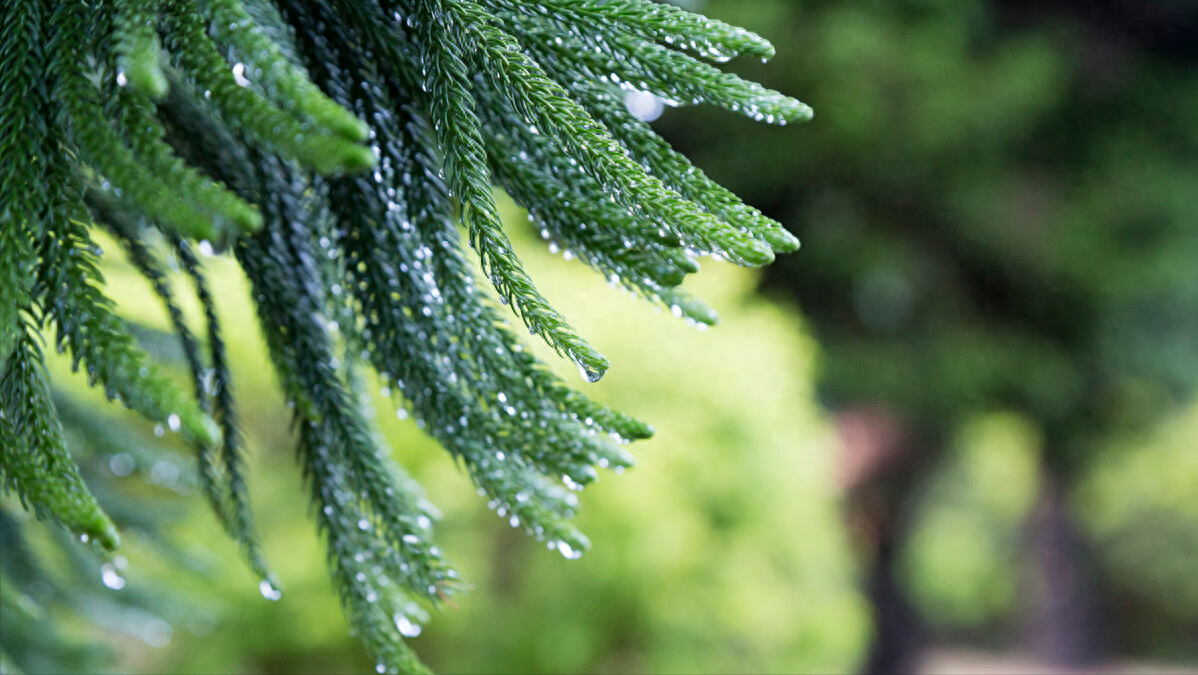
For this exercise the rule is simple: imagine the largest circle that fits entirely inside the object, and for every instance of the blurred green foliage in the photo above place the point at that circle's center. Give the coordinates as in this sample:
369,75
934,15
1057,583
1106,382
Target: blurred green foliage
67,606
962,562
998,212
966,564
995,213
1141,504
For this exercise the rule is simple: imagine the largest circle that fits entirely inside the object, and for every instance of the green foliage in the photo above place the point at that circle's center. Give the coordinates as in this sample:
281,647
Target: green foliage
999,215
1138,503
962,561
35,462
333,147
992,221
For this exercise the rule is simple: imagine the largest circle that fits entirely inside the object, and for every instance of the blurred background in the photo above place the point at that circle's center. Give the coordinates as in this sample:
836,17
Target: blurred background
955,433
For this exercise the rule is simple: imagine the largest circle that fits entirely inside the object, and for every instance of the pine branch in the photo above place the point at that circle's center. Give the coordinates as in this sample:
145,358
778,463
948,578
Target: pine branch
334,147
138,47
35,463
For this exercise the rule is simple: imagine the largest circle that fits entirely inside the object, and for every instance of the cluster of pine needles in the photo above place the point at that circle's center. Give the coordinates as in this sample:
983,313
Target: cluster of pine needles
334,147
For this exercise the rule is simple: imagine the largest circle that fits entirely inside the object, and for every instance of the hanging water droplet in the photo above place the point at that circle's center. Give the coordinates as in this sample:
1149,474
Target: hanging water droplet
588,374
268,590
110,577
406,627
567,551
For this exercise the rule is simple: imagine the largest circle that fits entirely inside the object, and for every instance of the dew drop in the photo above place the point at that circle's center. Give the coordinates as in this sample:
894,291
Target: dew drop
156,633
239,75
110,577
121,464
588,374
406,627
268,590
568,551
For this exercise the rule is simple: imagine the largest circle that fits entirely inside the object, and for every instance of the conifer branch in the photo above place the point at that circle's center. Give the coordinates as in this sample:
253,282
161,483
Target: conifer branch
35,463
334,147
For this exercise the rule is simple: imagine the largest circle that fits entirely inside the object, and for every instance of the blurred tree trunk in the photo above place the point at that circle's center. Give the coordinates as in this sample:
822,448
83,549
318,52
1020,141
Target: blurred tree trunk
899,637
1062,620
883,469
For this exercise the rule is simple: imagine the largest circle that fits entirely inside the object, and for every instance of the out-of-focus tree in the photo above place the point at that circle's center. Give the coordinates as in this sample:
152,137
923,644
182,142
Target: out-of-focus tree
998,213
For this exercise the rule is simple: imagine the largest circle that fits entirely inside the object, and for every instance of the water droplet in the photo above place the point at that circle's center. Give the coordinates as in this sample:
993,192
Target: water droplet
588,374
110,577
568,551
239,75
406,627
268,590
157,633
121,464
